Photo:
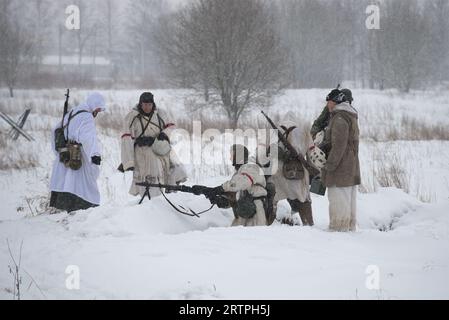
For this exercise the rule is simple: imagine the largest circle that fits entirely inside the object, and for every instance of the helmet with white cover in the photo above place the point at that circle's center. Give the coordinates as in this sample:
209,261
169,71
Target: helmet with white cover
317,157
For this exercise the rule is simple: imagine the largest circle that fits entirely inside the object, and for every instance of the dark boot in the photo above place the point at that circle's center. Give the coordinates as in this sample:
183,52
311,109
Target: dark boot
305,212
288,221
271,216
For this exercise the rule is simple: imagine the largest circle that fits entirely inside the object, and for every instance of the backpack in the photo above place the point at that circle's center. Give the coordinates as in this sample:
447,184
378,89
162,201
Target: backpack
292,168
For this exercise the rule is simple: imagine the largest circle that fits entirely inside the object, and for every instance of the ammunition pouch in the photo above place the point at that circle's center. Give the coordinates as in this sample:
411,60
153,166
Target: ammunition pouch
293,170
144,142
69,152
245,207
64,155
317,187
74,160
60,142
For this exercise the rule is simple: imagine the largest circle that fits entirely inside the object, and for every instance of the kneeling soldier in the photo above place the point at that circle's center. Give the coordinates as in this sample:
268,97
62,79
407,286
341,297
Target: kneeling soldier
249,184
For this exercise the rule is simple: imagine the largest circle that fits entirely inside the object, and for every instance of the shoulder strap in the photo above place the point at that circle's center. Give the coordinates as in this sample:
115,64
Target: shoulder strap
287,131
161,122
71,116
144,129
132,122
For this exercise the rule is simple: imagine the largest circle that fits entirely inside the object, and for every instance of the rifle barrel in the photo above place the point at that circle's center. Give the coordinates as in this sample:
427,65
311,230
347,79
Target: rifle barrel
290,148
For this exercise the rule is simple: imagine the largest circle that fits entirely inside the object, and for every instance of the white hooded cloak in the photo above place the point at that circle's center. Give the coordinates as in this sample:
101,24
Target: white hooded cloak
82,183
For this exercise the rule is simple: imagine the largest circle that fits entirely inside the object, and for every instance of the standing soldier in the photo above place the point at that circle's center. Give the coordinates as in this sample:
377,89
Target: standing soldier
320,149
146,146
292,182
74,178
341,173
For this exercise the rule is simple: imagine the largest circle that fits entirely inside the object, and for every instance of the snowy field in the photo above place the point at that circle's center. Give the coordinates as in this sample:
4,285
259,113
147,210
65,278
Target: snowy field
126,251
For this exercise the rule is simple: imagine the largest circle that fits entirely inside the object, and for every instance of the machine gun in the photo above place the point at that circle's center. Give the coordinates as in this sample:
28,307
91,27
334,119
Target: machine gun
66,103
220,199
312,171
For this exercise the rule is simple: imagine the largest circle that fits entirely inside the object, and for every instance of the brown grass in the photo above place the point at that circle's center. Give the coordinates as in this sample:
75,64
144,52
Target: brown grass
410,129
11,159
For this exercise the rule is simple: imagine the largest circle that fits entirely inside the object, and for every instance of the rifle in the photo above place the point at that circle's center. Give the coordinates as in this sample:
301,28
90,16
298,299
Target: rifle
60,142
222,200
66,104
312,171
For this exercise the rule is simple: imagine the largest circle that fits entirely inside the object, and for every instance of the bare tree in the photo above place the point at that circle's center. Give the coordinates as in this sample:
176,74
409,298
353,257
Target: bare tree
436,15
87,30
229,49
16,49
42,20
402,42
141,23
317,34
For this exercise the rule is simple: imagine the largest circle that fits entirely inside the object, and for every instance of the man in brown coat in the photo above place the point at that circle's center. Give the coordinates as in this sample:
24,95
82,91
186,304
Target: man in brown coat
341,175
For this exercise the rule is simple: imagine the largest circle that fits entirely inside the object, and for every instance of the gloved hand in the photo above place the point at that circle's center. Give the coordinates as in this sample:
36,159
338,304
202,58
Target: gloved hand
163,137
96,160
221,202
122,170
215,191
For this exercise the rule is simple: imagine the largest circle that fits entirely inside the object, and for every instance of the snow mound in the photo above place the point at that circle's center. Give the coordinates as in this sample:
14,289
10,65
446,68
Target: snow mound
384,209
150,218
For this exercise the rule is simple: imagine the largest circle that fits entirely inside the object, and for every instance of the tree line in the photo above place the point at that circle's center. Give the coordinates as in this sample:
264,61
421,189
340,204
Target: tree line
233,51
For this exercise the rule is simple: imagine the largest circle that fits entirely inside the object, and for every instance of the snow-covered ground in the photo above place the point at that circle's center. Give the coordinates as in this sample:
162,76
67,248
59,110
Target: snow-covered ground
126,251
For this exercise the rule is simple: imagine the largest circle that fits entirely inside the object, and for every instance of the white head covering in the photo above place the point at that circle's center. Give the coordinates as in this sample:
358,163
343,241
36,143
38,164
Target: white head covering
289,120
94,101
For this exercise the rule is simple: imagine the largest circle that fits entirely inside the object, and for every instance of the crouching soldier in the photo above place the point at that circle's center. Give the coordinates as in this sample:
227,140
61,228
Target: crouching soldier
145,146
249,184
75,172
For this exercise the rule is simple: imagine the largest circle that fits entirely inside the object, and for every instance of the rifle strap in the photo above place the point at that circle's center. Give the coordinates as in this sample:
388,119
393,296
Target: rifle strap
287,131
71,116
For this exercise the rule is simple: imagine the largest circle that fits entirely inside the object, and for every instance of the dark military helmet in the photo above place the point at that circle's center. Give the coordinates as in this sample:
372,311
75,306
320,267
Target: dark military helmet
348,95
336,96
146,97
240,155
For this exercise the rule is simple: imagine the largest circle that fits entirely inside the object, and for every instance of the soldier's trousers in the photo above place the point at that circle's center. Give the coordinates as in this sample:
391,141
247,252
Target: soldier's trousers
69,202
343,209
305,211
